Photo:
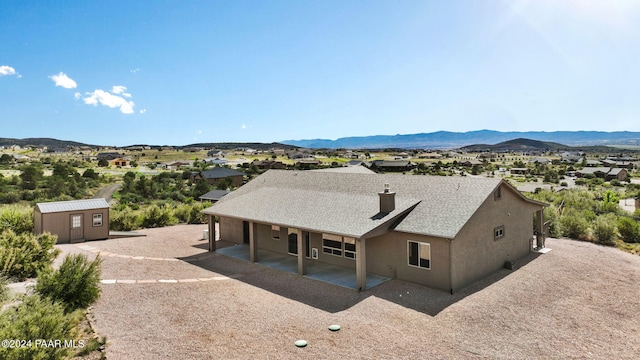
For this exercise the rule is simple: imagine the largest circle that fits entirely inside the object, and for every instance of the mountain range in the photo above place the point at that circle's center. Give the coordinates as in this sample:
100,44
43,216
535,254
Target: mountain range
451,140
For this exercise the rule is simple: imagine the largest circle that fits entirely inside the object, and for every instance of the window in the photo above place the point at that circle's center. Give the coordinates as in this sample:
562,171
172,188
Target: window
332,244
497,195
498,232
292,239
349,247
275,232
76,221
339,246
97,219
419,254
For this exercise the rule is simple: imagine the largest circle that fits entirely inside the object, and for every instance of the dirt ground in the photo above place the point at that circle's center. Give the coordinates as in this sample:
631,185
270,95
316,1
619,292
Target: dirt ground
579,300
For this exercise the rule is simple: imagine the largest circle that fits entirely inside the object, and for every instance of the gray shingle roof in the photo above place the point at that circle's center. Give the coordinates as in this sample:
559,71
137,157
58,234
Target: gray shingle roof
345,203
214,195
220,172
72,205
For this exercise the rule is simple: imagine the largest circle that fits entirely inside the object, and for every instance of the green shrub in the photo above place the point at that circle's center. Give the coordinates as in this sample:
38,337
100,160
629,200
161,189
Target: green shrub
38,319
574,224
123,219
156,216
24,255
4,290
604,229
629,230
16,218
191,213
76,284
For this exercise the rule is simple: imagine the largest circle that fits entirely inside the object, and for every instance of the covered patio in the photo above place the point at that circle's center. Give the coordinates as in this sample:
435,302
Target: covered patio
332,274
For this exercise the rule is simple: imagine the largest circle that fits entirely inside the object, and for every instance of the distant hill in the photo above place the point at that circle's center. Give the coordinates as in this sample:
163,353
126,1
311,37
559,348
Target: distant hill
48,142
450,140
519,144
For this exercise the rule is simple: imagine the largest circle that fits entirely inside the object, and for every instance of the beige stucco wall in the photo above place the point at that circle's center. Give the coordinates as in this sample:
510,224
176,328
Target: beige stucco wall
475,253
387,255
60,224
230,229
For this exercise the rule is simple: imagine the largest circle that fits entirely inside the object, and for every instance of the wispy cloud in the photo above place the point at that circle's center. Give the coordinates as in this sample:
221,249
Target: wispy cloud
6,70
110,99
120,90
64,81
142,111
243,126
133,71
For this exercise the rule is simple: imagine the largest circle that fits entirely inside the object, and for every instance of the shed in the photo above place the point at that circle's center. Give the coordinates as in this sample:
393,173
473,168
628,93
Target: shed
73,221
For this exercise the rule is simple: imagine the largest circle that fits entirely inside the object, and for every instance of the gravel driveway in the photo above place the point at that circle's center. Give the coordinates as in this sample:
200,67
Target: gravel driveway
578,301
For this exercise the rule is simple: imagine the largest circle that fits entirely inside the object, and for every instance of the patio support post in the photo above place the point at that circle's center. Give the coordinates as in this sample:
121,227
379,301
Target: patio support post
302,260
253,246
540,229
361,265
212,233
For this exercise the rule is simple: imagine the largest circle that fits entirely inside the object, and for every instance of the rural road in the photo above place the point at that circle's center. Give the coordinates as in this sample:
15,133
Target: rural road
107,192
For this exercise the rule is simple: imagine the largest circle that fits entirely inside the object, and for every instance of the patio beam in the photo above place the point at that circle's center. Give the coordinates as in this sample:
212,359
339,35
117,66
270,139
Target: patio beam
361,265
253,244
212,233
302,261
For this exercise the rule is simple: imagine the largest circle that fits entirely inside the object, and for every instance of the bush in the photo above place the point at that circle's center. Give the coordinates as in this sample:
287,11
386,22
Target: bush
124,220
16,218
574,224
38,319
75,284
4,290
629,230
156,216
191,213
604,229
24,255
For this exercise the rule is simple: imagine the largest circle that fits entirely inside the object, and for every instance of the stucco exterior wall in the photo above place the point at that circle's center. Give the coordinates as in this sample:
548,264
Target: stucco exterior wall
475,252
231,230
387,255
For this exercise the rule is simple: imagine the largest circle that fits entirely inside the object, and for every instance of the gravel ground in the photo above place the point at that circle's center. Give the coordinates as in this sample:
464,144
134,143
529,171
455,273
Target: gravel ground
578,301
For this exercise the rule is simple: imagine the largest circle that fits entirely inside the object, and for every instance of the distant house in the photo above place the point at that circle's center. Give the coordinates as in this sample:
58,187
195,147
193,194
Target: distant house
268,164
217,174
519,171
393,165
216,161
605,173
73,221
593,163
470,163
175,165
214,195
108,155
120,162
306,164
539,160
442,232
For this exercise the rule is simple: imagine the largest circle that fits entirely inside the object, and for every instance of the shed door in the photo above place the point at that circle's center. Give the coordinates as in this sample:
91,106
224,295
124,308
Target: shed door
75,224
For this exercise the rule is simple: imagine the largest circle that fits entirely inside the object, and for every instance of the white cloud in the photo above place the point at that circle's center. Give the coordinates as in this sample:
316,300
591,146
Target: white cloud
8,70
120,90
108,99
64,81
243,126
77,95
142,111
133,71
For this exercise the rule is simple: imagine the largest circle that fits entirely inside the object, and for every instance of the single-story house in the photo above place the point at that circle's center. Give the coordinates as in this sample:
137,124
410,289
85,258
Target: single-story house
470,163
519,171
73,221
108,155
175,165
214,195
307,163
438,231
268,164
393,165
119,162
216,161
605,173
217,174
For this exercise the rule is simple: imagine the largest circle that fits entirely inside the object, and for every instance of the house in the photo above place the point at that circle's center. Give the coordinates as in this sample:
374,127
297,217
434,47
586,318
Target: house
605,173
217,174
268,164
438,231
393,165
519,171
539,160
108,155
471,163
214,195
175,165
121,162
216,161
307,164
73,221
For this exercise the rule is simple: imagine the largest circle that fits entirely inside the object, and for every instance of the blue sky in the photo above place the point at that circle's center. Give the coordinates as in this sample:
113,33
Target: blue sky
180,72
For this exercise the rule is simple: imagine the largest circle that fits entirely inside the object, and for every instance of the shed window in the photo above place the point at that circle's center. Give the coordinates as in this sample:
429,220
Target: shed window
419,254
76,221
275,232
97,219
498,232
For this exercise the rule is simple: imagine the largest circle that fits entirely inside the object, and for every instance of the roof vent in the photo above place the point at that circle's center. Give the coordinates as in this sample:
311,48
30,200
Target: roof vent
387,200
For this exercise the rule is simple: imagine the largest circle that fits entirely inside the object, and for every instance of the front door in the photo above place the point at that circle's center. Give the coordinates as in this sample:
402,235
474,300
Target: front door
75,224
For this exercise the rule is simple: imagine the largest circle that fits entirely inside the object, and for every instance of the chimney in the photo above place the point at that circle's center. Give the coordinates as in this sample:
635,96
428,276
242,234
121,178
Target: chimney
387,200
